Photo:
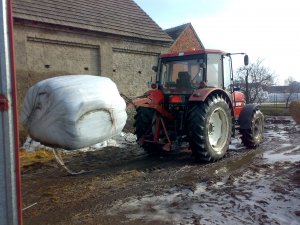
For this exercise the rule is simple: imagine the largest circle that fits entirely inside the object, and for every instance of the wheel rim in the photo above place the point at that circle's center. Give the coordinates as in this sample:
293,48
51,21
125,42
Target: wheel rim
258,128
218,129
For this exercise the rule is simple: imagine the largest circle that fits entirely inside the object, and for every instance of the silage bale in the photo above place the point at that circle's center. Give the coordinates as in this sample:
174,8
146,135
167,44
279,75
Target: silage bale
295,111
74,111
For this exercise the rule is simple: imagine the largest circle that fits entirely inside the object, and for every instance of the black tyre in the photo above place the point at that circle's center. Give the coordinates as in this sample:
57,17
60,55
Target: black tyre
144,127
209,128
143,121
253,136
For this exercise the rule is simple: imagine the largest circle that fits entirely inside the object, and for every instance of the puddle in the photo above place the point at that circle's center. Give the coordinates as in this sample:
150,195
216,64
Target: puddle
236,144
282,137
236,164
287,152
247,199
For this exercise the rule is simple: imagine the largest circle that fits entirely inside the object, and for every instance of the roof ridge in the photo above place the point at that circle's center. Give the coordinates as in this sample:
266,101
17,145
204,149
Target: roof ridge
179,26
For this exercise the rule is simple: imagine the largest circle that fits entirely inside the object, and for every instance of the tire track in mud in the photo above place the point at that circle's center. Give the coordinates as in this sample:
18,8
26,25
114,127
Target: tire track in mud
98,190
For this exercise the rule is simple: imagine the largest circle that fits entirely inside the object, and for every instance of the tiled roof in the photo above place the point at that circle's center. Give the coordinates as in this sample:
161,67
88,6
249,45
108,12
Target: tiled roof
175,32
120,17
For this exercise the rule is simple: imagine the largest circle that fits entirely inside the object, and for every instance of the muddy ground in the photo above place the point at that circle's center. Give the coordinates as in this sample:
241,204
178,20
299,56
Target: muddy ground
125,186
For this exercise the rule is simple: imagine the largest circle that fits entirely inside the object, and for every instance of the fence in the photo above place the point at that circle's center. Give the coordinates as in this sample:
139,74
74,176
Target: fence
276,104
282,97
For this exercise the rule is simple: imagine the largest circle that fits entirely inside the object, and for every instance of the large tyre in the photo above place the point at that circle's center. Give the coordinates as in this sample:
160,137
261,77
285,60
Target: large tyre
253,136
143,121
144,126
209,128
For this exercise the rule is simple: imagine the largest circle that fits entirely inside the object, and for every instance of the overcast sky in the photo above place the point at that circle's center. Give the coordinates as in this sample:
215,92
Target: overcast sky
265,29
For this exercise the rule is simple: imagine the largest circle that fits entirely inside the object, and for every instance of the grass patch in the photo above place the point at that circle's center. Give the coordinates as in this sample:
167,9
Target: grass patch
39,156
278,109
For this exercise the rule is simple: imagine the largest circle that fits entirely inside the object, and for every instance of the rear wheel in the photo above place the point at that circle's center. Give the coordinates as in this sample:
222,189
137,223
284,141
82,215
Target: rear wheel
253,136
144,126
209,128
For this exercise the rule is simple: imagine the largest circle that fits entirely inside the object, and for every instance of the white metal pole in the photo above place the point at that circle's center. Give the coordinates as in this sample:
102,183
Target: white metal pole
9,177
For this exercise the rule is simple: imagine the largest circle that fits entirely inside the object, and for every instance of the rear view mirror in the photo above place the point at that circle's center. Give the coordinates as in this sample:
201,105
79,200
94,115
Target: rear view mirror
246,60
202,65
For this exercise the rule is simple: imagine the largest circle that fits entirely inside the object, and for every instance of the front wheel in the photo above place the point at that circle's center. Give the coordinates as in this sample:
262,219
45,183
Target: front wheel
253,136
209,128
144,126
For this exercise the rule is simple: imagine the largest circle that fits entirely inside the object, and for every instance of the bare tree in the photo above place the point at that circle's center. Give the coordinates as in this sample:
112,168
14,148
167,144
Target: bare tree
259,77
293,87
289,80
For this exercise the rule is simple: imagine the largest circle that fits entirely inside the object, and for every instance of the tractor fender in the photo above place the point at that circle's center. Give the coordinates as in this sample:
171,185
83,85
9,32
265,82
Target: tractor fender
245,118
153,100
156,96
200,95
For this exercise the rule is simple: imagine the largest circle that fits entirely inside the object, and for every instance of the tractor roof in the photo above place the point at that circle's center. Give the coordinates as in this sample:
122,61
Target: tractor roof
193,52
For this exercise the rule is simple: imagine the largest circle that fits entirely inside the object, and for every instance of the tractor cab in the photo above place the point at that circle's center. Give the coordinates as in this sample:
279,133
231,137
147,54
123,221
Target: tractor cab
182,73
180,76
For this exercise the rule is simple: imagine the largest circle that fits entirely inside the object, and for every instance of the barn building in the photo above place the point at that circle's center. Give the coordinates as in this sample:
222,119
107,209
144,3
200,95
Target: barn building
113,38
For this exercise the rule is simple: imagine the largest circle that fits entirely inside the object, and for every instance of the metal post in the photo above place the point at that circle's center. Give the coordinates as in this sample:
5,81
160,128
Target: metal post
10,203
247,87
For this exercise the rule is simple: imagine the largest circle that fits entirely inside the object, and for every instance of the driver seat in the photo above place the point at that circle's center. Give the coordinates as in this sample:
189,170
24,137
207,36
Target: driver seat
184,79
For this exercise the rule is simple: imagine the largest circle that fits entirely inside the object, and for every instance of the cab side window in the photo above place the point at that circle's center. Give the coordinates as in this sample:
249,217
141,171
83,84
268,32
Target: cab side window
227,70
214,70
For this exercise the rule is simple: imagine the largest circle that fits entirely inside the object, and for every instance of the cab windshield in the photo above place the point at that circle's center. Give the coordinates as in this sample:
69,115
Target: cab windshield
185,74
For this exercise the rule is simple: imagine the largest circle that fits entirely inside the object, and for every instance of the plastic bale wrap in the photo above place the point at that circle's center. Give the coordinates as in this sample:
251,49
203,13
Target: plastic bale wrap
295,111
74,111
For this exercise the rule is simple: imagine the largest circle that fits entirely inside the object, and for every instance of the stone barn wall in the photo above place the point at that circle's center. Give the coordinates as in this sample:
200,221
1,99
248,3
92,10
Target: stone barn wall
43,52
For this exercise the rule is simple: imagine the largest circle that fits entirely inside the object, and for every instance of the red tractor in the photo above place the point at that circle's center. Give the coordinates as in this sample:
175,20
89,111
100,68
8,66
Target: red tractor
193,100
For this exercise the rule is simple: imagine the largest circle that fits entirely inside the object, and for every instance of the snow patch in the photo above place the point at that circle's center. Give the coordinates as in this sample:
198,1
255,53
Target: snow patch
119,141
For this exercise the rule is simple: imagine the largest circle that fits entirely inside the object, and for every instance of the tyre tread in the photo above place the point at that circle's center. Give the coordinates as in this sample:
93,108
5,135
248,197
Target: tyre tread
196,127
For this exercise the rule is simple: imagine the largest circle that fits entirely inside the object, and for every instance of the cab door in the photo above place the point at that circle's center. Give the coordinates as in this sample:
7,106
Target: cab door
214,71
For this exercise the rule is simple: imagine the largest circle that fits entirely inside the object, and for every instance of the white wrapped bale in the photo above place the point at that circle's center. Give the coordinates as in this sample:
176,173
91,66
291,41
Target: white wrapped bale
73,111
